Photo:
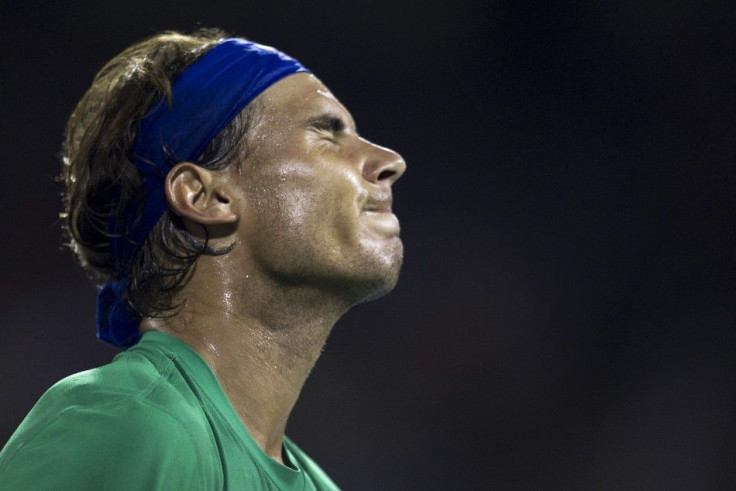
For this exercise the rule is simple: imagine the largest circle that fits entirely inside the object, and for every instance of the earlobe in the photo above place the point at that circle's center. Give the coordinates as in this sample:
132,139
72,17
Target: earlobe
194,192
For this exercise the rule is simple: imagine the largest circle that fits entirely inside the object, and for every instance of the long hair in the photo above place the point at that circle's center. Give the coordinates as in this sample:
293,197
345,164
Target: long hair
101,179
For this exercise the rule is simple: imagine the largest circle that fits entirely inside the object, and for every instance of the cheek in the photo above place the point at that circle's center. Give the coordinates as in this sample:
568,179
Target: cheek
346,199
319,200
294,205
290,197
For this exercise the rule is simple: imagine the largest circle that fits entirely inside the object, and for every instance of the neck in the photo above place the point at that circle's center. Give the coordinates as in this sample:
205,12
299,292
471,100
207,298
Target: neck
261,347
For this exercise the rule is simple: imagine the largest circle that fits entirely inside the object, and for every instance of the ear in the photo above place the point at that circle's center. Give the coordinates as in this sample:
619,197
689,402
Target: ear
195,193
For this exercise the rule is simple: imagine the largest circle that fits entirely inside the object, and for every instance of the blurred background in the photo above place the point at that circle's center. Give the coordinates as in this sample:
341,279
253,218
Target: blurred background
565,317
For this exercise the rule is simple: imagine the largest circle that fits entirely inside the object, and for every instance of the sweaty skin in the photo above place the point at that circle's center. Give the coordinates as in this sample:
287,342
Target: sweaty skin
308,213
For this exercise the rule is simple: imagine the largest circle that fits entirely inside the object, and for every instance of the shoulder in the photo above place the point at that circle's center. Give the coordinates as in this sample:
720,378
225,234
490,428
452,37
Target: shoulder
132,392
123,423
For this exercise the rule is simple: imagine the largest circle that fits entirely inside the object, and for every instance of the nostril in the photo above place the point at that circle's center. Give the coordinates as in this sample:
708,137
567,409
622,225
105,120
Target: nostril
386,174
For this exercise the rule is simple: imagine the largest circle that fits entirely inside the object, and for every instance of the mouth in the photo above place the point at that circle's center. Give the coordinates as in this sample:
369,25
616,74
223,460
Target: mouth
378,209
381,218
379,204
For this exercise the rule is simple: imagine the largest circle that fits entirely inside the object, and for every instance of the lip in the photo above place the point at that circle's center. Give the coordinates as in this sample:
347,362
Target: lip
379,204
384,208
383,221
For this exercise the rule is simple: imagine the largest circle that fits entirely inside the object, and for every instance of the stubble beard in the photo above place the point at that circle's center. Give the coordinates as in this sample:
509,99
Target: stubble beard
376,278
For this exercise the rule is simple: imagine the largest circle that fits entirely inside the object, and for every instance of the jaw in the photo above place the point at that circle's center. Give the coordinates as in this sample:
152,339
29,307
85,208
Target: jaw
379,275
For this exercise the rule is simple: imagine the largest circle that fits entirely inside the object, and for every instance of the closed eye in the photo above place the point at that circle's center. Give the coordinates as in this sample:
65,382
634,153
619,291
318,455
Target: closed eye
329,123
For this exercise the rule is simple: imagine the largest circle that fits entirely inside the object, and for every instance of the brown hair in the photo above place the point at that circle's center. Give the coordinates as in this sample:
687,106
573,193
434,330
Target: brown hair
97,165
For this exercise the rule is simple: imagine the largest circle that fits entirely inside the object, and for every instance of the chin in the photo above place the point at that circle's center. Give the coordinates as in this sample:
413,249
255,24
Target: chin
378,292
381,280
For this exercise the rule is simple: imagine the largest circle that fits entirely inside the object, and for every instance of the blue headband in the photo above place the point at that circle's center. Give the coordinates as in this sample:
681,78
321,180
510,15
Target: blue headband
205,98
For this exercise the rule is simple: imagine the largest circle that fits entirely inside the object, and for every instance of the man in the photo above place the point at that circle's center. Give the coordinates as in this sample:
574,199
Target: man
223,195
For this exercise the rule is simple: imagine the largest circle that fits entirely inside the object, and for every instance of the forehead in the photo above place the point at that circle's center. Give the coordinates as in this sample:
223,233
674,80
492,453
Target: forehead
299,97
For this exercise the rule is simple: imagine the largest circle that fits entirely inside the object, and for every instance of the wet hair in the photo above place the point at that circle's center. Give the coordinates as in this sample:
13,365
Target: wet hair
102,181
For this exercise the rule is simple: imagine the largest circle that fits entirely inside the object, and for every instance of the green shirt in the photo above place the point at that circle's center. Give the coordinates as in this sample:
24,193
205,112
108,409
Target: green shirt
154,418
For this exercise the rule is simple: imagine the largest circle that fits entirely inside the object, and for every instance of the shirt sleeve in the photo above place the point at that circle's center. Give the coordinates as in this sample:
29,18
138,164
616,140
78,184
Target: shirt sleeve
129,444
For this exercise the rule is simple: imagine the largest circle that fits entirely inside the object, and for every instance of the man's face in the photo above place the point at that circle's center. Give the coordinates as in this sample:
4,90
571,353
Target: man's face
317,197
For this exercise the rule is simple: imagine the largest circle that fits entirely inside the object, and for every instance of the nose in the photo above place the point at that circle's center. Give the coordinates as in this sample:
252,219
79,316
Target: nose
382,165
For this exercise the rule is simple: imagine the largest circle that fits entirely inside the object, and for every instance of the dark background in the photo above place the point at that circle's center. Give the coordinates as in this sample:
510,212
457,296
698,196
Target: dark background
565,316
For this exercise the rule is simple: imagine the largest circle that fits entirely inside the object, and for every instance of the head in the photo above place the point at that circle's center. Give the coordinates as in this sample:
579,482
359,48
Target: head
314,198
105,190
